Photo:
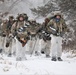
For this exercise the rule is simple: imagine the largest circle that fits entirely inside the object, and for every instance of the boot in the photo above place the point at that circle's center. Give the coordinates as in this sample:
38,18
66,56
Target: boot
18,59
37,53
47,56
59,59
42,52
9,55
1,50
54,59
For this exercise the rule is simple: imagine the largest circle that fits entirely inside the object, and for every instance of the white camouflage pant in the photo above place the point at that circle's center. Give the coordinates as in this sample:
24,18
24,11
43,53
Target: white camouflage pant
11,49
45,46
20,51
2,43
35,45
56,46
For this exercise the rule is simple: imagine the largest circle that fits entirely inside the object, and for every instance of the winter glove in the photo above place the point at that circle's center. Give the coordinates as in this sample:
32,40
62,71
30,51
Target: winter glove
28,33
7,44
4,35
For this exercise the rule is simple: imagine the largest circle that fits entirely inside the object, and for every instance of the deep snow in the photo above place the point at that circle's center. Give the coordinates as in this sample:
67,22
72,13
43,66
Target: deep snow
38,65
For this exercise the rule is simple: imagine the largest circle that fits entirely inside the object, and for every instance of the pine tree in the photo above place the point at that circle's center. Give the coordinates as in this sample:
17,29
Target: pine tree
46,9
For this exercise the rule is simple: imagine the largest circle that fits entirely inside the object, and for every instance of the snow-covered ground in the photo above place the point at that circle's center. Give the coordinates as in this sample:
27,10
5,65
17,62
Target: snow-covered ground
38,65
35,65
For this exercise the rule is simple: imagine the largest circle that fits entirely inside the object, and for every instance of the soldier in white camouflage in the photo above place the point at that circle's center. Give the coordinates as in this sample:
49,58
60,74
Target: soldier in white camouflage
34,42
56,27
45,39
19,30
5,31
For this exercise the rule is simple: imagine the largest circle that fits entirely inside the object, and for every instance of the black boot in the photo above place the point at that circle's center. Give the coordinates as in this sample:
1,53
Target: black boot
9,55
47,56
37,53
54,59
1,50
42,52
59,59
